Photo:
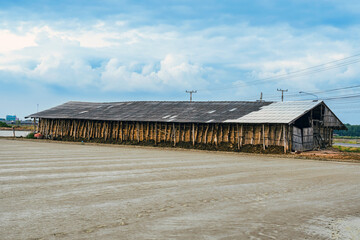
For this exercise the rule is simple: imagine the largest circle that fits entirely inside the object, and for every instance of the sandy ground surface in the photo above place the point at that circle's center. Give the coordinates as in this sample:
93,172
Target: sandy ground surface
72,191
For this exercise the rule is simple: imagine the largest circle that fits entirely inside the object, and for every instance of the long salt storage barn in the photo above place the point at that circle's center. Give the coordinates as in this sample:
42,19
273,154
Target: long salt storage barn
235,125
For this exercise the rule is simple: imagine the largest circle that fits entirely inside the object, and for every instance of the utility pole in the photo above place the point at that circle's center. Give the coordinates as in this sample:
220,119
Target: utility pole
282,93
191,92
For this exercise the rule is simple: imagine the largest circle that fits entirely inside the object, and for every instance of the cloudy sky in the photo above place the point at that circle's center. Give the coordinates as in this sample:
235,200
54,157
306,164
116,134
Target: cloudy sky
116,50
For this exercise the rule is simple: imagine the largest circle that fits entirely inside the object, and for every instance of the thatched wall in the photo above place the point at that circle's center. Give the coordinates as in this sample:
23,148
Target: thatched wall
234,135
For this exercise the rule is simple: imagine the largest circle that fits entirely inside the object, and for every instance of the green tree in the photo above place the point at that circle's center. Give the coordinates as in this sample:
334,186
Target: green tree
353,131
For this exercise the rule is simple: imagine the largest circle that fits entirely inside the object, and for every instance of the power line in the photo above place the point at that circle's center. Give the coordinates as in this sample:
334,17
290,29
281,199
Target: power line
298,73
342,97
328,90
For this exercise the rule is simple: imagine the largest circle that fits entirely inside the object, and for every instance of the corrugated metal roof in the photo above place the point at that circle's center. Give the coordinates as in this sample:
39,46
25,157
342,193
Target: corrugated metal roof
277,112
201,112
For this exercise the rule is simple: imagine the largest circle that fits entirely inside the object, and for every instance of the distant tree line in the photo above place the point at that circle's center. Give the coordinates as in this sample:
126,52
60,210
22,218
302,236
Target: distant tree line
2,124
353,131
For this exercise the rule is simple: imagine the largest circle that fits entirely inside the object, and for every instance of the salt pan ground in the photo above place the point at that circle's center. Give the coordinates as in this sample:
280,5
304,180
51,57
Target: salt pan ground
73,191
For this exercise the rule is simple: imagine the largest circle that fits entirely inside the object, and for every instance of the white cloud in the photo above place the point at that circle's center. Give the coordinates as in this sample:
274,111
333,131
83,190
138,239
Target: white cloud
175,72
155,58
10,41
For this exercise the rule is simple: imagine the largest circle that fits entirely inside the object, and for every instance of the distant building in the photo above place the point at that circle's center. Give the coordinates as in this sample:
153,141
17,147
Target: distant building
2,120
26,122
10,118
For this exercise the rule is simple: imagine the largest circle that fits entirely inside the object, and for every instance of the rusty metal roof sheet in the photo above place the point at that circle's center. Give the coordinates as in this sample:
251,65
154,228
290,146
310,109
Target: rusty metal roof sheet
198,112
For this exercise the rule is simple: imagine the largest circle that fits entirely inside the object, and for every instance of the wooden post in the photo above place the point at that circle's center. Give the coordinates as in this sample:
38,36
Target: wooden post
241,136
88,130
289,138
215,133
281,132
121,132
155,133
238,135
221,137
174,134
13,128
252,136
193,134
263,133
178,132
205,136
105,130
75,125
284,131
267,137
137,131
148,131
229,133
196,132
201,133
34,124
182,133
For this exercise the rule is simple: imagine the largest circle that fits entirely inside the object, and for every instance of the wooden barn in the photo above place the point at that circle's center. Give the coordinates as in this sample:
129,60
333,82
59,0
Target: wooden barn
235,125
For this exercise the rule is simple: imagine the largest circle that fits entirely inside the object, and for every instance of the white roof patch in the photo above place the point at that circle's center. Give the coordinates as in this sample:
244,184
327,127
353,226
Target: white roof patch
277,112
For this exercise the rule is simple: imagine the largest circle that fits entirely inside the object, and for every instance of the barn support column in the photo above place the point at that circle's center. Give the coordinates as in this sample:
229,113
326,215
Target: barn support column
137,131
284,135
289,138
155,138
74,129
238,135
88,130
174,134
241,135
193,134
263,134
34,124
